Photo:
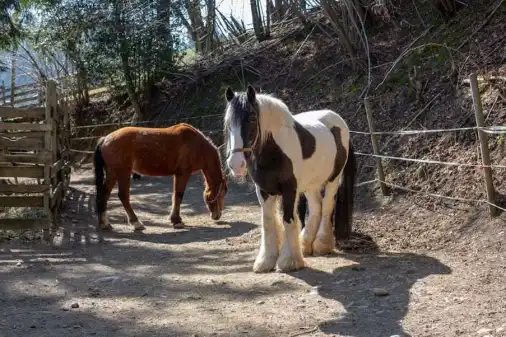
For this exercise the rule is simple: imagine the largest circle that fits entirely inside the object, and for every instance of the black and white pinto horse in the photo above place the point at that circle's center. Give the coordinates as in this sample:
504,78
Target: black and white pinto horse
287,155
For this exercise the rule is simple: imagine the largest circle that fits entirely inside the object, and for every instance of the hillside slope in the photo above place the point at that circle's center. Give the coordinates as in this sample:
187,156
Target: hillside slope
423,89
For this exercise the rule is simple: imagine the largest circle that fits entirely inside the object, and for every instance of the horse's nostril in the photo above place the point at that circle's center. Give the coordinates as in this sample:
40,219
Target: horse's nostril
243,163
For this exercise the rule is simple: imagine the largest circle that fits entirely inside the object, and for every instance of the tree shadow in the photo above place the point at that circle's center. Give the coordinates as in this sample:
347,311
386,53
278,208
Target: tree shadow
190,234
37,295
375,291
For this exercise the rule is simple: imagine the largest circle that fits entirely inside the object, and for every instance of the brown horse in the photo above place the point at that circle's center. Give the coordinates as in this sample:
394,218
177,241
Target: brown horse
179,151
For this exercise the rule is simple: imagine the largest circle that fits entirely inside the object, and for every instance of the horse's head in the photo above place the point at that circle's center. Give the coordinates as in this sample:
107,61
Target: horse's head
214,196
242,131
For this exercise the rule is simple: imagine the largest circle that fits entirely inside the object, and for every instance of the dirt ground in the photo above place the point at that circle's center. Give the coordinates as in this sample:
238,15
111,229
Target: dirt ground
198,281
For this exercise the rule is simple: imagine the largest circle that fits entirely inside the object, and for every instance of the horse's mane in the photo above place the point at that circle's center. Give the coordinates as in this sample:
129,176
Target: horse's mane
274,115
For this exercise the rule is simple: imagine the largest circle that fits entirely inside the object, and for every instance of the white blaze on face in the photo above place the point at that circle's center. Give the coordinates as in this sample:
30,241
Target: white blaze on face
236,161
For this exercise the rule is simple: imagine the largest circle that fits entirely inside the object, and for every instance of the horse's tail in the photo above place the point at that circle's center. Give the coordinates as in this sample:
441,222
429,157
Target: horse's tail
99,164
343,210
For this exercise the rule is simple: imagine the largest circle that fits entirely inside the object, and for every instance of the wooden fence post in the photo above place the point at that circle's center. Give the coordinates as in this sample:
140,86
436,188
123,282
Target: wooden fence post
485,156
13,79
49,147
3,93
375,147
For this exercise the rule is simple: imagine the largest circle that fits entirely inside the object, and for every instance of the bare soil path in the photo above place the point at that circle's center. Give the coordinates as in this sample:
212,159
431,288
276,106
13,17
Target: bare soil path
198,281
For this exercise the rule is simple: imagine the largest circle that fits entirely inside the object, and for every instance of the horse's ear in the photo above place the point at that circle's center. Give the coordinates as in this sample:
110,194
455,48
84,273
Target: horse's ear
229,94
251,94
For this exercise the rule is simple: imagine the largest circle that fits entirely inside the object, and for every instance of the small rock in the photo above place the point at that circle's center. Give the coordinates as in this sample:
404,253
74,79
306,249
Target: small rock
358,268
380,292
74,305
19,264
33,326
260,302
145,293
501,328
112,279
484,331
76,327
314,290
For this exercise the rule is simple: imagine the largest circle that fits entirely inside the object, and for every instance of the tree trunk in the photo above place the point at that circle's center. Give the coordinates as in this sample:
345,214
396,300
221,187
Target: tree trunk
210,24
331,14
257,21
163,31
124,53
278,10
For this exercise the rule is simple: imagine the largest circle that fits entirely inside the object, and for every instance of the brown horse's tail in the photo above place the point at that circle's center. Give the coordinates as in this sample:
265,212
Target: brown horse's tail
99,164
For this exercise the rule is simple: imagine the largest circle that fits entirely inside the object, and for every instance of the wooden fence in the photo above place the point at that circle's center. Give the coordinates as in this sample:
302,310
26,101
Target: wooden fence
34,161
25,95
32,94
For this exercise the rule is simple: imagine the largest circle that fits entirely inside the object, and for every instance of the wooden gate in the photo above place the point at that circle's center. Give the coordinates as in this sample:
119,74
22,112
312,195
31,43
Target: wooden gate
34,163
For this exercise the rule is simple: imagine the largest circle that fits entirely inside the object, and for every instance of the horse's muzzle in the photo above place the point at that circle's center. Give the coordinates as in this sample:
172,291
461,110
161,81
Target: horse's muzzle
216,215
237,164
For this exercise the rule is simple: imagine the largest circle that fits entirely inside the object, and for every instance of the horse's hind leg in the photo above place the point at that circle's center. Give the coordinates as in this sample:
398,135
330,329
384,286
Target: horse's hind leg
324,242
308,233
178,187
124,196
110,181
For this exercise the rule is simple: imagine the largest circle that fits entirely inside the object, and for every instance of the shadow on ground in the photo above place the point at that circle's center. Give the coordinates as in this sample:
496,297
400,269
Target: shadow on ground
374,290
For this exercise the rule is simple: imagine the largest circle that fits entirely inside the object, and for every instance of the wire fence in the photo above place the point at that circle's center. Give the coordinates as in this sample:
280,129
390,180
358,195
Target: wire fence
480,128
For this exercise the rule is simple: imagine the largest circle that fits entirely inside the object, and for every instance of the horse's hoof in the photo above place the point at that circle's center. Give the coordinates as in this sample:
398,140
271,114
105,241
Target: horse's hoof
287,263
321,248
264,264
178,225
105,228
138,225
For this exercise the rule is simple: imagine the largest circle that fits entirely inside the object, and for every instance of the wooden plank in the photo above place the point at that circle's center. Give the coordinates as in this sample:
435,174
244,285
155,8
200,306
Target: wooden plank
28,99
21,201
23,188
24,126
21,224
23,134
26,85
22,143
30,91
22,172
39,158
6,112
56,195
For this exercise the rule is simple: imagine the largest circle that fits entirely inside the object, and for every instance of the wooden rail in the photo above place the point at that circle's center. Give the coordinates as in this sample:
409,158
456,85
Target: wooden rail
34,145
31,95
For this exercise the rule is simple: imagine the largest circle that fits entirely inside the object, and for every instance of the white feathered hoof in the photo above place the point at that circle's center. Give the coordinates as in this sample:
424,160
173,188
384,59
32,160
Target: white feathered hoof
138,225
321,247
264,263
288,263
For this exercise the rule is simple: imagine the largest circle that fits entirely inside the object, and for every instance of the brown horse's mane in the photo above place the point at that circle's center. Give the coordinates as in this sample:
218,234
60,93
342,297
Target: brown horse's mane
207,188
208,139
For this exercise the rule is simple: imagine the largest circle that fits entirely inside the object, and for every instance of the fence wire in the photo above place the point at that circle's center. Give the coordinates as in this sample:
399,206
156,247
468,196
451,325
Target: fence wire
482,201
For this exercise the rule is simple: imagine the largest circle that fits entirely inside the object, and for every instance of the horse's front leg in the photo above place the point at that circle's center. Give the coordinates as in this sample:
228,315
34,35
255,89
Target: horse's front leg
291,255
178,187
269,243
